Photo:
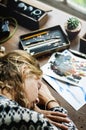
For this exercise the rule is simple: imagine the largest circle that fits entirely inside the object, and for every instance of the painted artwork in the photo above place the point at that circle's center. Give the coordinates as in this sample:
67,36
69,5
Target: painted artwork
66,73
75,96
67,67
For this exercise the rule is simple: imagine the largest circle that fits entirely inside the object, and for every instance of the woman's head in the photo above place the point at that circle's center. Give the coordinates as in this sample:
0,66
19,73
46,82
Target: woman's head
17,69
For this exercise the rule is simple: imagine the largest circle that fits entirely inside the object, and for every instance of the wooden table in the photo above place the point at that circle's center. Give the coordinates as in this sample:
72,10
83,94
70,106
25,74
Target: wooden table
55,17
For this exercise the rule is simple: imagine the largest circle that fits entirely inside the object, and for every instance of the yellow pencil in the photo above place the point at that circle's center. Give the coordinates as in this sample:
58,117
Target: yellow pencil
34,35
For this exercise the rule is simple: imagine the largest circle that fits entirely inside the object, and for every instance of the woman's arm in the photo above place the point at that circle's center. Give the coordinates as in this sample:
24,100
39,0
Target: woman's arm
46,98
13,116
53,111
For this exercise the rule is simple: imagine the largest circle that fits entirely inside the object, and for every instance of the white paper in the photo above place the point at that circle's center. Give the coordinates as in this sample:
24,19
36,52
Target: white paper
73,92
75,96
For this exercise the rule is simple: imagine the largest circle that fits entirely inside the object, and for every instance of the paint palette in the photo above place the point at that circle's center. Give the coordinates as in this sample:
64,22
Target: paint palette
44,41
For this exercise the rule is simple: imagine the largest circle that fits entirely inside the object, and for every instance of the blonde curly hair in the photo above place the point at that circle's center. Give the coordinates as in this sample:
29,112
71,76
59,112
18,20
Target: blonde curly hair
11,77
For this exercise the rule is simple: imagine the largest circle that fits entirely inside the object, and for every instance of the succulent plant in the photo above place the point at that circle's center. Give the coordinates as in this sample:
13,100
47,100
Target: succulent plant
72,23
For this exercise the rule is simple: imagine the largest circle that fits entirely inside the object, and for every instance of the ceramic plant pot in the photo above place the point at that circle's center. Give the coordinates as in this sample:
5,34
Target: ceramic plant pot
72,30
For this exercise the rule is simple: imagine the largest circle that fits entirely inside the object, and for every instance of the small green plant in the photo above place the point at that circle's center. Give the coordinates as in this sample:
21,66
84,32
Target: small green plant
72,23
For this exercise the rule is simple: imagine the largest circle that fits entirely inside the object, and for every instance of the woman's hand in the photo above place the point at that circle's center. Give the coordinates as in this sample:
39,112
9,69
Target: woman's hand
55,118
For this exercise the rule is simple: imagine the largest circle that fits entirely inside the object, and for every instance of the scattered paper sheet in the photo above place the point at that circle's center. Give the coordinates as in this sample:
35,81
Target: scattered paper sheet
75,96
66,73
67,67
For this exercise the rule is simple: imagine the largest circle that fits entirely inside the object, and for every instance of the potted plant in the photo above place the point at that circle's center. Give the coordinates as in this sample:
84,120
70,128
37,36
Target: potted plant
72,27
